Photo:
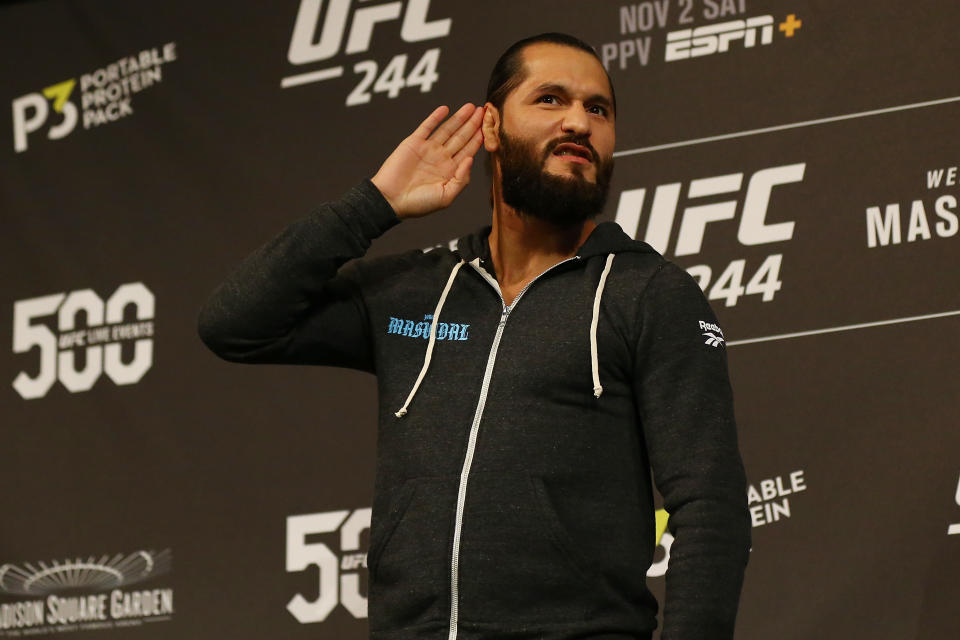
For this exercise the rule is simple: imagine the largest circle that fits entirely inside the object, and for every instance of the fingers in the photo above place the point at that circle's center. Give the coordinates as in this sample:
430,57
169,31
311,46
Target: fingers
427,126
470,148
465,133
453,123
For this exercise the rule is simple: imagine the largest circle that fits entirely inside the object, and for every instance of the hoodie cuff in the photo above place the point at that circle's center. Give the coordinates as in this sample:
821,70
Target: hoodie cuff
365,210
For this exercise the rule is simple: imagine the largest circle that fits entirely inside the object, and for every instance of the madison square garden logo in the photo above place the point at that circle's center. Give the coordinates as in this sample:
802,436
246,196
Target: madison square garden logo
83,594
321,38
115,339
105,95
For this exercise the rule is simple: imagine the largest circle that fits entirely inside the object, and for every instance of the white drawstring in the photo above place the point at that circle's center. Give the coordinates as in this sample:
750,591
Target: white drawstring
433,339
594,362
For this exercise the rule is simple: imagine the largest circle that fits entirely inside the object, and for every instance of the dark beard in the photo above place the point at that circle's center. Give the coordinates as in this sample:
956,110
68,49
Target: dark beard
560,200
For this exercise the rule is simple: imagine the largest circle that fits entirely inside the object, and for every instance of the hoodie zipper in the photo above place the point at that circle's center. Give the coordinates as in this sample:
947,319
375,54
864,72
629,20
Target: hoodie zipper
474,431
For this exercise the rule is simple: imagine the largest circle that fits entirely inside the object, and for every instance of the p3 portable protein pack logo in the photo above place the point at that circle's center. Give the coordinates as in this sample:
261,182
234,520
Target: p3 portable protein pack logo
78,355
767,500
84,594
320,36
105,96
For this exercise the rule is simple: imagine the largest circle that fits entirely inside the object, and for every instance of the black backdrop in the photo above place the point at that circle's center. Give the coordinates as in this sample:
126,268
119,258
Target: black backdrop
152,491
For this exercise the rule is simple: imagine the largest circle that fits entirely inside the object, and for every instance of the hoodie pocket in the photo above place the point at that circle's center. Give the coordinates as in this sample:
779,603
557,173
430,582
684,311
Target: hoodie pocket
517,561
409,556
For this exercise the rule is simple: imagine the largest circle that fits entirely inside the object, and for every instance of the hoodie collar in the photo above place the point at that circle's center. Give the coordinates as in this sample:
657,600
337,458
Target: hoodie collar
606,238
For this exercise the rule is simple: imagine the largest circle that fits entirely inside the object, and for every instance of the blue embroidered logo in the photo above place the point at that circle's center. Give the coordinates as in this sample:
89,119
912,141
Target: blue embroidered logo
411,329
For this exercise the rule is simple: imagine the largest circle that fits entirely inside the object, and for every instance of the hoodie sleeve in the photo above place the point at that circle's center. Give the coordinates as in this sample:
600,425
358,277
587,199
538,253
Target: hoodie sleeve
287,303
685,405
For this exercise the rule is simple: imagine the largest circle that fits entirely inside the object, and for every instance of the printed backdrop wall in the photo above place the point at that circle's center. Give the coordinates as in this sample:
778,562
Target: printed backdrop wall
799,157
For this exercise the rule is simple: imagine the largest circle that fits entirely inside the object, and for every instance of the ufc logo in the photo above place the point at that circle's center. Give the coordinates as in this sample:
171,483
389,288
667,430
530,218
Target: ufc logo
306,48
753,228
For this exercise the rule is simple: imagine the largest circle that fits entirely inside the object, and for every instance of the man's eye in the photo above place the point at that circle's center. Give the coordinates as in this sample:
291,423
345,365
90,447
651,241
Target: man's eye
598,110
549,99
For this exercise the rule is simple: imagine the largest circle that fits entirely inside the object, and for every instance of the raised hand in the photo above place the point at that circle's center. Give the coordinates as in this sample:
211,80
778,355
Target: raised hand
432,165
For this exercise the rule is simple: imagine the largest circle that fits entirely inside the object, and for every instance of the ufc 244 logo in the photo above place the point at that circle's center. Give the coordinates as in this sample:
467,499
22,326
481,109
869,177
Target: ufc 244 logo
318,36
339,577
101,341
752,229
414,28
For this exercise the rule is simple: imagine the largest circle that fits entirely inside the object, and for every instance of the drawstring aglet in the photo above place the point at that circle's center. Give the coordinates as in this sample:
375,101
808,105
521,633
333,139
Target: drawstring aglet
433,339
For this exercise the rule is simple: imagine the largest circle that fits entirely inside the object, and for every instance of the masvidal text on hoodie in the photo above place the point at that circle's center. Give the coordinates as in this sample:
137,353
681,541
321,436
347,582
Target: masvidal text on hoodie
513,496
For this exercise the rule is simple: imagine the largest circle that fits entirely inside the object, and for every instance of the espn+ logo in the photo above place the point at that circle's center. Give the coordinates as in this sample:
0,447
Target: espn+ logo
318,36
99,344
697,217
339,577
716,38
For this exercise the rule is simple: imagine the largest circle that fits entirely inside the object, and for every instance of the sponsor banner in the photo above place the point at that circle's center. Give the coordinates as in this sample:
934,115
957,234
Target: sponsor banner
802,168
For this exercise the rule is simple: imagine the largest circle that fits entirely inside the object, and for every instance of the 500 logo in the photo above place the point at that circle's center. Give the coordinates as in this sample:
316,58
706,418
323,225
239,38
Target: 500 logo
101,340
339,578
415,27
752,230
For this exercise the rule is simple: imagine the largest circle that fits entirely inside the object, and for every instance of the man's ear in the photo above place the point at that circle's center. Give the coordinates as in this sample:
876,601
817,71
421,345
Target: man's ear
491,128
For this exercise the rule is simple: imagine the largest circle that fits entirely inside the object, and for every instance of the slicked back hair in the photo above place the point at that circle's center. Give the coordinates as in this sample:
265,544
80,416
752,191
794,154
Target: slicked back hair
509,71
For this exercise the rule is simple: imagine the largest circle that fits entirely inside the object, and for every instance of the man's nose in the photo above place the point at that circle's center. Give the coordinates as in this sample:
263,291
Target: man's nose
575,120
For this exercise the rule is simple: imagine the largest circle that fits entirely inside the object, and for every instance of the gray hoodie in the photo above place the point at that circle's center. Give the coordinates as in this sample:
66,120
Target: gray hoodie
513,496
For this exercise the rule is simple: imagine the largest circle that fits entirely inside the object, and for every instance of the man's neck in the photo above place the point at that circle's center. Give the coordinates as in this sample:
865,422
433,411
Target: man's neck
522,246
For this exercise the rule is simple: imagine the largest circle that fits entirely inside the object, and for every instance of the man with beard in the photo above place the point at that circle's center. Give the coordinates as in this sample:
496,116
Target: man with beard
529,380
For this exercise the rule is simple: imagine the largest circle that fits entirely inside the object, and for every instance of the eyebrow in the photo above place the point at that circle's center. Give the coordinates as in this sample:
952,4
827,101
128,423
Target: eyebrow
553,87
